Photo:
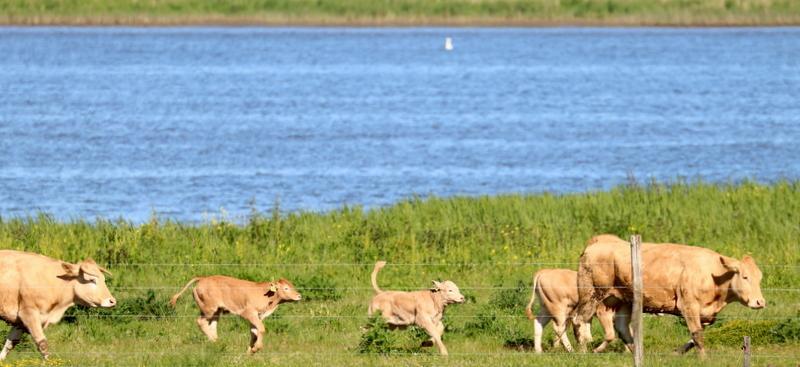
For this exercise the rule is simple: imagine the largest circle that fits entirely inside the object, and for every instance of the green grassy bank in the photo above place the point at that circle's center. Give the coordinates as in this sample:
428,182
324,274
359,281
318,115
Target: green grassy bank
489,246
402,12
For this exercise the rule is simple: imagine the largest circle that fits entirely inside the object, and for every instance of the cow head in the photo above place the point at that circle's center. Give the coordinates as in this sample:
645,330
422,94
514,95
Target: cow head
90,284
746,281
449,291
285,291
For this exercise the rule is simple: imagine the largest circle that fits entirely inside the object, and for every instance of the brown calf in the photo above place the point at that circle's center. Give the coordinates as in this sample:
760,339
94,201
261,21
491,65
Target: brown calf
250,300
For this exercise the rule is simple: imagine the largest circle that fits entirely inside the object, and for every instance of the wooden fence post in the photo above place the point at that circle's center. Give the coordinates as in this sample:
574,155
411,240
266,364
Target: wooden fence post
636,310
746,350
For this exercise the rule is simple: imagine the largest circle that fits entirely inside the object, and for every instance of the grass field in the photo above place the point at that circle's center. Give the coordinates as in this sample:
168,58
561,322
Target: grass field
402,12
489,246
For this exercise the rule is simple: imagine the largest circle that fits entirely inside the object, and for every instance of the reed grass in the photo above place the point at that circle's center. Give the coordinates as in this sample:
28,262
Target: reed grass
401,12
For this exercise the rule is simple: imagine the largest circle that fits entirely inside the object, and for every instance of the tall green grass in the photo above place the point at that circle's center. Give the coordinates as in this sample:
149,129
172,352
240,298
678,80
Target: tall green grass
490,246
620,12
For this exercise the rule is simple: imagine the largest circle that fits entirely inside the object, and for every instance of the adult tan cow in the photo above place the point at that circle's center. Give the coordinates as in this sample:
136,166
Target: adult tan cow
693,282
423,308
36,290
252,301
558,297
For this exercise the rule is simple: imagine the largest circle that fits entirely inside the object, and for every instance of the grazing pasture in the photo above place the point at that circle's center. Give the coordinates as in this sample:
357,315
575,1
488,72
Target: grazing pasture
489,246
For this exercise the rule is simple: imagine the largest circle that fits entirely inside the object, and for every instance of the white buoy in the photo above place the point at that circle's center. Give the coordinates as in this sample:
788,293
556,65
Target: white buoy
448,44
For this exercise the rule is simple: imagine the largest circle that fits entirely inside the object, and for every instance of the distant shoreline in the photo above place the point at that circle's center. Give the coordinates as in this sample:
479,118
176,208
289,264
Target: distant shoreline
408,13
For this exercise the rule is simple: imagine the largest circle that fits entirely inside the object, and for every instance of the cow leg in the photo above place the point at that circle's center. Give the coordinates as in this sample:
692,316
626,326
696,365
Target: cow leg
205,326
257,331
692,317
34,326
622,323
583,333
12,340
212,325
606,317
560,327
435,333
686,347
539,323
440,329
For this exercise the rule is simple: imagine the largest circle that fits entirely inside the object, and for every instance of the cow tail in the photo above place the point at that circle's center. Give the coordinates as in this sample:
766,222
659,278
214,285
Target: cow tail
528,309
586,293
378,266
174,298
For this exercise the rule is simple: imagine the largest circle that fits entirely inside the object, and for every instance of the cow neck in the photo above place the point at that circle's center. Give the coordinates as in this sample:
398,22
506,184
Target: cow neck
438,301
726,294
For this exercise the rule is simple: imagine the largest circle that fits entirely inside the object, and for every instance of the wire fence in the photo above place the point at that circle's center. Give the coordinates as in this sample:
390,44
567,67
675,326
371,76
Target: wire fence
511,352
364,317
432,264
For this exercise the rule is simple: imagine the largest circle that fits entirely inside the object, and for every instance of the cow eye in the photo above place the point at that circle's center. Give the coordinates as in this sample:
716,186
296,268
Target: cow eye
745,277
450,290
286,289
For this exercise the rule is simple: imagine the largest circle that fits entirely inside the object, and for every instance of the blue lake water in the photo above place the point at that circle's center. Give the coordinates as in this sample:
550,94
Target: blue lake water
122,122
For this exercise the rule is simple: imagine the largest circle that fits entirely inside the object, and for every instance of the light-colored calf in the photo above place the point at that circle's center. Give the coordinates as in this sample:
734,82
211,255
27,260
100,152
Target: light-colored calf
558,297
423,308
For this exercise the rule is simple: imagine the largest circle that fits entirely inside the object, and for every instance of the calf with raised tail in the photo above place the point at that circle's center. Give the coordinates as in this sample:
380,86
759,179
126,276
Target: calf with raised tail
422,308
252,301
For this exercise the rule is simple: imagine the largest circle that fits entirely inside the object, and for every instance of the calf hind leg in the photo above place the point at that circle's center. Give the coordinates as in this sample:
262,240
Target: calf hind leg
208,325
539,323
560,327
606,317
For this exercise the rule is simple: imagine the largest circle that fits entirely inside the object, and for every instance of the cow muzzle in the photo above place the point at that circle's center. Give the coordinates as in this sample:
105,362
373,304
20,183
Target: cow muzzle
109,302
757,303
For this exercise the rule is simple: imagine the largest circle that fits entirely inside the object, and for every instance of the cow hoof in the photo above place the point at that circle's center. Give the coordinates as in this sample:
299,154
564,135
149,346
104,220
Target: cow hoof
427,343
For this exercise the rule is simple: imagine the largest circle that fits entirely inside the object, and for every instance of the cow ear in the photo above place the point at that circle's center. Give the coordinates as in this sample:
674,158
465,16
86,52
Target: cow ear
272,290
731,264
104,270
70,269
436,286
89,267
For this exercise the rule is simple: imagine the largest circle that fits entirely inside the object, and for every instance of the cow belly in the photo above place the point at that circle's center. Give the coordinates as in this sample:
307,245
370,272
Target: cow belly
9,313
660,304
